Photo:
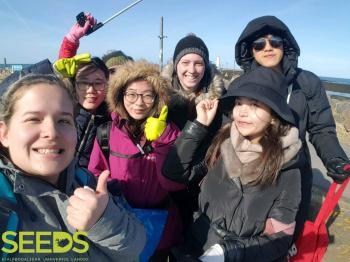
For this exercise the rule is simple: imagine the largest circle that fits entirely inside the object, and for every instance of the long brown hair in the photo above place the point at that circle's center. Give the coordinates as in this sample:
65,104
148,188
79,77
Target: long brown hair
271,158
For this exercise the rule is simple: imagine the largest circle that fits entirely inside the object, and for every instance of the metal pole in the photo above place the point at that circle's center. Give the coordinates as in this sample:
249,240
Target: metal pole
121,11
100,24
161,37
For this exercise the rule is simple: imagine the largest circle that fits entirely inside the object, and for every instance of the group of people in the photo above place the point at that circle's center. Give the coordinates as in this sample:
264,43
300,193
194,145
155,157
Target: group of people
229,165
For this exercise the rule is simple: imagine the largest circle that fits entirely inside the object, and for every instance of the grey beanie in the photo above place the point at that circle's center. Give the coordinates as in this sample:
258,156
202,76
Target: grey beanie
190,44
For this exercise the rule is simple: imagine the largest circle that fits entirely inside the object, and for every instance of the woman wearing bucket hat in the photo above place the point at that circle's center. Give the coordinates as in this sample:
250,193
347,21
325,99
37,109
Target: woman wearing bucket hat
193,79
267,41
249,197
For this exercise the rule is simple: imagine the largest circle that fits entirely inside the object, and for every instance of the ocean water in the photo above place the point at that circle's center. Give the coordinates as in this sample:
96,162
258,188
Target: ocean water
2,66
336,80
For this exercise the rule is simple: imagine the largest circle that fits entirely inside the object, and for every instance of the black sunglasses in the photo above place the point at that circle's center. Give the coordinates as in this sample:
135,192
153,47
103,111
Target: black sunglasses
260,43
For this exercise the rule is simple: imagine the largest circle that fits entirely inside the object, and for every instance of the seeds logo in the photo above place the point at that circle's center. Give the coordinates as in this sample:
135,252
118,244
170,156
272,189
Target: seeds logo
44,242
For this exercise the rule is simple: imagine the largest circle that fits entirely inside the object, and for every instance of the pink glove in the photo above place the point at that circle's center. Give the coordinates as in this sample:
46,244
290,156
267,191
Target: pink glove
77,32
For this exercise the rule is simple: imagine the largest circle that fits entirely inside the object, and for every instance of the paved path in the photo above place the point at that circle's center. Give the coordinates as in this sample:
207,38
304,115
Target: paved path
339,223
320,177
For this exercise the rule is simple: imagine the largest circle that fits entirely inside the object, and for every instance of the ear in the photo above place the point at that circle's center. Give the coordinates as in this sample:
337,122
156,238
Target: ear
3,134
273,121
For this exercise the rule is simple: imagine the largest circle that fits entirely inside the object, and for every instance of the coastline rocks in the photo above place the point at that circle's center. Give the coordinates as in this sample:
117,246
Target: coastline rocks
341,112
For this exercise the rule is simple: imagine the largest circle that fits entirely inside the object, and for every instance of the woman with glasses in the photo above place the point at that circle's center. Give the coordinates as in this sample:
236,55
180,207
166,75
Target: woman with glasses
90,86
267,41
137,96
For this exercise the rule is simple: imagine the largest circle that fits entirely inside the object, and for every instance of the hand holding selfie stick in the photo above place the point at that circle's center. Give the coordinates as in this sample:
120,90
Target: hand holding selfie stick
81,19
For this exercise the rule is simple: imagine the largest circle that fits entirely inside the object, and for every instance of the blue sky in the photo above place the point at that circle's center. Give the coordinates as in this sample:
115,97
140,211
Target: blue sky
33,30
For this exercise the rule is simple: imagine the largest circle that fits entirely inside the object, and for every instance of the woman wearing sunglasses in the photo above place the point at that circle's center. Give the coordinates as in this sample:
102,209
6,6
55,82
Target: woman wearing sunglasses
267,41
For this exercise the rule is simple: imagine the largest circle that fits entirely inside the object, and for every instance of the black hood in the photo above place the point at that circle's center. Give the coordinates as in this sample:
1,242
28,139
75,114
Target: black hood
262,26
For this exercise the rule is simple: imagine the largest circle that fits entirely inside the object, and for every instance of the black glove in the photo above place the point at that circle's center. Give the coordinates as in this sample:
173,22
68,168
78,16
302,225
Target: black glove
338,169
233,248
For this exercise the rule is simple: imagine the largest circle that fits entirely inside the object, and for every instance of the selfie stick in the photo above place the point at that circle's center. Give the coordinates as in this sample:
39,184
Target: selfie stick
81,20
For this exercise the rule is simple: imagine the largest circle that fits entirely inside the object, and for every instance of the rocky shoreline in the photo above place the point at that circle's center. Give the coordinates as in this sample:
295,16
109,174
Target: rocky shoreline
341,112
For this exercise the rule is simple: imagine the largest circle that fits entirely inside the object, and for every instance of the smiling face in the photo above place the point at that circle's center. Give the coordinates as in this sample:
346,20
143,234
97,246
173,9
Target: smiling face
91,87
269,56
251,118
41,134
190,71
141,107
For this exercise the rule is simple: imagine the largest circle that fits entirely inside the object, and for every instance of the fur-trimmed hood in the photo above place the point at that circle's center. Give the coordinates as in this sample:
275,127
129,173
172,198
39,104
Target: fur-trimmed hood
215,89
135,71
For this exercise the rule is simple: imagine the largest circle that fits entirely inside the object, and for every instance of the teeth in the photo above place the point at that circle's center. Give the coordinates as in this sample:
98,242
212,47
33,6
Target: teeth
191,77
48,151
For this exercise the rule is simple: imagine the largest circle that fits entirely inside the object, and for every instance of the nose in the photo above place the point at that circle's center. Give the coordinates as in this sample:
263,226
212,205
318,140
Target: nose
49,129
267,45
191,68
90,89
139,100
243,110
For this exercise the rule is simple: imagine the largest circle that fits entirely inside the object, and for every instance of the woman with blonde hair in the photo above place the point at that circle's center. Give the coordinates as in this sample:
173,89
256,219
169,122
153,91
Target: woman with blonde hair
46,190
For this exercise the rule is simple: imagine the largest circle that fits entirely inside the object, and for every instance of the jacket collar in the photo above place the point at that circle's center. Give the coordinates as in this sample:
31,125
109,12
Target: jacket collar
34,186
101,112
214,90
241,158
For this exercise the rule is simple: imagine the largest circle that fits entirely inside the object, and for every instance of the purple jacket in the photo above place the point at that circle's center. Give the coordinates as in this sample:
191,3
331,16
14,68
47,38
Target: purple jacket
141,179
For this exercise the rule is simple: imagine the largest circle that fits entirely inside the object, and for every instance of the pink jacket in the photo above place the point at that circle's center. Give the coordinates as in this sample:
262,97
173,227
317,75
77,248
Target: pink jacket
141,179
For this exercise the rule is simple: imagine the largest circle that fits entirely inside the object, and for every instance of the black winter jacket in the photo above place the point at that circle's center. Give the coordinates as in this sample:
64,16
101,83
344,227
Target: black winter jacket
240,209
181,109
87,124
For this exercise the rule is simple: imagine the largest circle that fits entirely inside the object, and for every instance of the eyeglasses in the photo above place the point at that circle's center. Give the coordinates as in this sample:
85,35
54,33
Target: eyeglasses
132,97
112,70
84,86
260,43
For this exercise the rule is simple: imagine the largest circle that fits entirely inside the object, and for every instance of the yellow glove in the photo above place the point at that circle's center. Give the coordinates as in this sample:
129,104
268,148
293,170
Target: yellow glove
67,67
155,126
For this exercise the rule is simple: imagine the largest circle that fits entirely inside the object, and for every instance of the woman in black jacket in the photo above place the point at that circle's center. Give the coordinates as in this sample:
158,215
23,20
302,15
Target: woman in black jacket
250,196
90,85
88,82
193,79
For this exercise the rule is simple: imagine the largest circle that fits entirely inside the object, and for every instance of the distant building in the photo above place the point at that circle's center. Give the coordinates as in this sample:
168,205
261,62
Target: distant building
218,62
16,68
230,74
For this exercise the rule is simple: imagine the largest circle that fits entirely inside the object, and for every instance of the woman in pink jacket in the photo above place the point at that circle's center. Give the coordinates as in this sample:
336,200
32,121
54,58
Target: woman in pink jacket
137,97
